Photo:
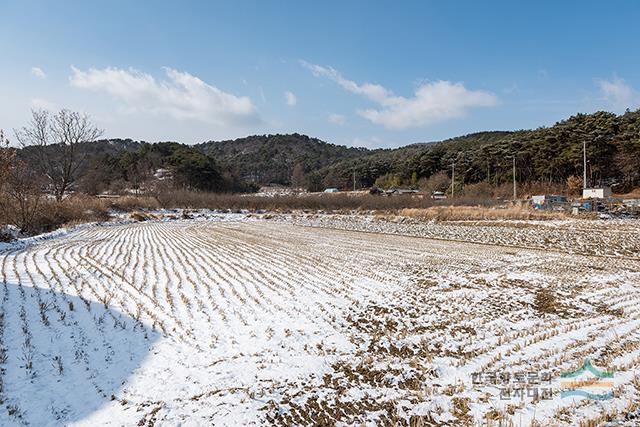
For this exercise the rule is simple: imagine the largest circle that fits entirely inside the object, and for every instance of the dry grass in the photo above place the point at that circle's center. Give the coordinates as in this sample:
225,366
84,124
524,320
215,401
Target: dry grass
329,202
478,213
545,301
79,208
341,202
634,194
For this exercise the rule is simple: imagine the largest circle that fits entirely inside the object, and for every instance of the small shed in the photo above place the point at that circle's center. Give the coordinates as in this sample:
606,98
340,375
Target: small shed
596,193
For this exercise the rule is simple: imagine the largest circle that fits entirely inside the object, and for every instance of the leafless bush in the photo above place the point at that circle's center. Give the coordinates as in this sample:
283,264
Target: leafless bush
70,211
574,185
479,189
23,197
439,181
130,203
34,213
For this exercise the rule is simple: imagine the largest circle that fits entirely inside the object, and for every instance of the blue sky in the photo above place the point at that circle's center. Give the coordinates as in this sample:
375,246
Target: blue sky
374,74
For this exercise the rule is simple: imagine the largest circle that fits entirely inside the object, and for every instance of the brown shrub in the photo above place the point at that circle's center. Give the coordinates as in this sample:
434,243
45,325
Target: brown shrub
141,216
439,181
480,189
574,185
130,203
71,210
49,214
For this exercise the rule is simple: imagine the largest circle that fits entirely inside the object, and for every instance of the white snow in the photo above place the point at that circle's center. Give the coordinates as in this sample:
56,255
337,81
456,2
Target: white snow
231,319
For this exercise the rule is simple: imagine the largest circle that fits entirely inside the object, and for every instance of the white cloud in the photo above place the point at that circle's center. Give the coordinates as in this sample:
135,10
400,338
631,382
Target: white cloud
290,98
181,96
618,94
372,91
37,72
432,102
336,119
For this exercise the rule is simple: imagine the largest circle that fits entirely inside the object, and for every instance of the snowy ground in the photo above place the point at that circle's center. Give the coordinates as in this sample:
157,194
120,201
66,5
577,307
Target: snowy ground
230,320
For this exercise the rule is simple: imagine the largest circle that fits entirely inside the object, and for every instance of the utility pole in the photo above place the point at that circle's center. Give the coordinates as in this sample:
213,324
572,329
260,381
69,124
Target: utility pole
354,180
514,177
453,179
584,164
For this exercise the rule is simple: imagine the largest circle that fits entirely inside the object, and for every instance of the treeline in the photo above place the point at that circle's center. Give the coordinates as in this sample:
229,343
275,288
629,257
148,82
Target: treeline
242,165
552,154
154,167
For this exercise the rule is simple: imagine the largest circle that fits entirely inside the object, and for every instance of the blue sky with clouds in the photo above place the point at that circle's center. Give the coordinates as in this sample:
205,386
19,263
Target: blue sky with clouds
375,74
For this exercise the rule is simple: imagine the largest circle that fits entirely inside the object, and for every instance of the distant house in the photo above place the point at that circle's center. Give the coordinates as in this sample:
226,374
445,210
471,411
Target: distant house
548,202
406,191
162,174
331,190
596,193
394,190
275,190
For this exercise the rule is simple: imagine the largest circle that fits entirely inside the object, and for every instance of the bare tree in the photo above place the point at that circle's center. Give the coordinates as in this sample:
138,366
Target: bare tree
56,140
6,156
20,188
24,195
439,181
298,178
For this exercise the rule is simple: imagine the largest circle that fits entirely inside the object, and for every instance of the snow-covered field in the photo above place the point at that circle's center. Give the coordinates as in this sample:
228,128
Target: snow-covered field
230,320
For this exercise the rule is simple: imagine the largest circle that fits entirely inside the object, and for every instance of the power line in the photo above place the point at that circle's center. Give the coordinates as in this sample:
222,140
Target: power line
453,179
514,178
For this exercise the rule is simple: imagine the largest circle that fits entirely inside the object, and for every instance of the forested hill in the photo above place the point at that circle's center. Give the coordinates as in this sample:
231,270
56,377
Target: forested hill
415,161
545,154
272,158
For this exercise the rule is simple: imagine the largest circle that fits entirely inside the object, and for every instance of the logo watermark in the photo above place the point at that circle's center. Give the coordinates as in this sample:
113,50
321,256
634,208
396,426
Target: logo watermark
587,381
518,385
579,383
